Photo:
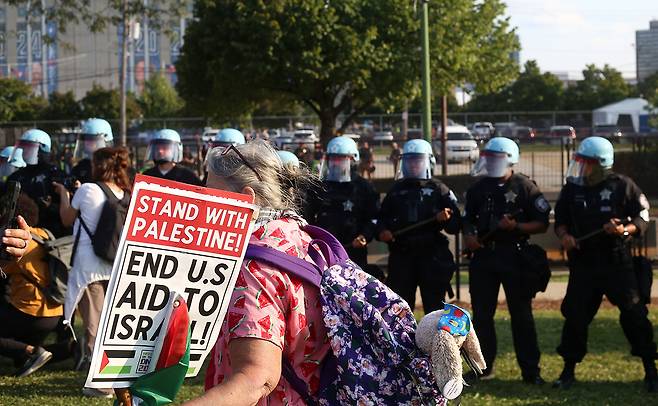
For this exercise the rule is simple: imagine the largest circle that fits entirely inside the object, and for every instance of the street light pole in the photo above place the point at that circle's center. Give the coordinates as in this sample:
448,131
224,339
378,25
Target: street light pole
124,69
426,96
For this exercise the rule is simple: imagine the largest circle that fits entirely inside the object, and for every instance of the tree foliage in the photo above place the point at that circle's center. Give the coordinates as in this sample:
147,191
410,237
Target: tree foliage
17,103
531,91
600,86
159,98
62,106
336,57
106,103
471,42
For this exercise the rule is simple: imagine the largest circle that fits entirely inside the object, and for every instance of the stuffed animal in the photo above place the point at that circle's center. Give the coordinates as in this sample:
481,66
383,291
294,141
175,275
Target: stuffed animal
443,334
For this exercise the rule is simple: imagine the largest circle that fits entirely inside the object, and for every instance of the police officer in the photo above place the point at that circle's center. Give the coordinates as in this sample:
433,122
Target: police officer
165,150
37,176
596,213
346,205
224,138
96,133
413,214
10,162
502,209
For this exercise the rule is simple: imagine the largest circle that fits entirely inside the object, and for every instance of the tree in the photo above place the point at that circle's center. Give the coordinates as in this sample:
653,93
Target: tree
335,57
159,98
62,106
600,86
648,88
531,91
17,102
106,103
471,42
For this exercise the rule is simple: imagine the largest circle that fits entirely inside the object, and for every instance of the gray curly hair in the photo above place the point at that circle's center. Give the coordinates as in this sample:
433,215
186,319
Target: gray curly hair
266,164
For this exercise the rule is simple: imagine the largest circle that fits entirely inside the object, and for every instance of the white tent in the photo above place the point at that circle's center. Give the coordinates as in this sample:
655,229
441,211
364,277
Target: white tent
633,107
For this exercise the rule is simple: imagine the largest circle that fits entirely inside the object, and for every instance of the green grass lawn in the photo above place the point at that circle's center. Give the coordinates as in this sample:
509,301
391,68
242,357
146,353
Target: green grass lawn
608,376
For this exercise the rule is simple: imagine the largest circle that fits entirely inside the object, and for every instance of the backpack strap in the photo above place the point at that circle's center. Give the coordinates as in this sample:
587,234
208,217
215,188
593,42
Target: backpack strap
299,267
332,249
109,194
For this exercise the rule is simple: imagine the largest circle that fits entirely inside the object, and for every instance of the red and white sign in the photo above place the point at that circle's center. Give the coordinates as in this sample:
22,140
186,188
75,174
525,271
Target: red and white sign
177,238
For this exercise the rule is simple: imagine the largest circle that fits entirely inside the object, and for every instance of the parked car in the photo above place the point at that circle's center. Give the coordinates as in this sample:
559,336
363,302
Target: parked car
209,134
504,129
610,131
565,131
355,137
305,136
414,133
386,135
461,145
523,133
482,131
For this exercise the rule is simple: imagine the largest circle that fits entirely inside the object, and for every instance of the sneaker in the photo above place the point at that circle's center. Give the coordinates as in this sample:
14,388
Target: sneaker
98,393
35,361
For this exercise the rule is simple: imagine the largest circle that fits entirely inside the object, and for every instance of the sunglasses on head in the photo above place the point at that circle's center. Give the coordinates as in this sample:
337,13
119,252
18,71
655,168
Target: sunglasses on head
232,147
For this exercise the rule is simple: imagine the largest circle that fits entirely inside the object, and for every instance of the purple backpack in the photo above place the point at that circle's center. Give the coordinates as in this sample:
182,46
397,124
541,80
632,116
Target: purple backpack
374,358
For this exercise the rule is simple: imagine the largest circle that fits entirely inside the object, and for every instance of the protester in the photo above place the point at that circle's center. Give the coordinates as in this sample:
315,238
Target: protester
89,275
394,156
502,210
247,359
36,178
166,150
596,215
367,162
96,133
28,311
413,214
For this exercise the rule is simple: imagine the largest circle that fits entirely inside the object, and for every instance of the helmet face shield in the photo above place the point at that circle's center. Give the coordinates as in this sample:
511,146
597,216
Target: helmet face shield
30,151
336,168
491,164
415,166
585,171
160,151
87,144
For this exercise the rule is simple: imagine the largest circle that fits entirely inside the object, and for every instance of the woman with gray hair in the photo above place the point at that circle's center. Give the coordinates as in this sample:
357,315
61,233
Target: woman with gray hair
272,315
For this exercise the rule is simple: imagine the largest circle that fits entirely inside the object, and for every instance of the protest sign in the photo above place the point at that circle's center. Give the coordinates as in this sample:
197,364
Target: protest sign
177,239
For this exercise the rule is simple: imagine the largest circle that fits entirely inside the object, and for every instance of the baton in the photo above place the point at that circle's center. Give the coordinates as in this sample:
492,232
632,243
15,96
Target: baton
590,235
414,226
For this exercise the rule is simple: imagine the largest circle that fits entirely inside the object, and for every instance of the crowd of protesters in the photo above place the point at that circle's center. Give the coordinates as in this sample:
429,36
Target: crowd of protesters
598,212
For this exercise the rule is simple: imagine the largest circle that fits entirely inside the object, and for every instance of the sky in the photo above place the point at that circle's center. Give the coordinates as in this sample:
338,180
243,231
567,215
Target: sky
565,35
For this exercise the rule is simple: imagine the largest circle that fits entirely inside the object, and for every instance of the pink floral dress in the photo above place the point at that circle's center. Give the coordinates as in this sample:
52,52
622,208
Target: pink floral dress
273,306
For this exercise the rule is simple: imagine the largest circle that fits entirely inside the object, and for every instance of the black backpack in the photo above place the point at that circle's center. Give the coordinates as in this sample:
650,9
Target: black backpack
58,258
105,240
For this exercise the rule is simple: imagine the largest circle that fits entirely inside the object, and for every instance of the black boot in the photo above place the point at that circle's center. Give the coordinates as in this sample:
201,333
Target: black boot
567,377
650,375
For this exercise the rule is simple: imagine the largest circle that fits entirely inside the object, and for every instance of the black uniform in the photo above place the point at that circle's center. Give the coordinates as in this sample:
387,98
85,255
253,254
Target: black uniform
82,171
347,210
419,257
603,264
36,181
500,262
177,173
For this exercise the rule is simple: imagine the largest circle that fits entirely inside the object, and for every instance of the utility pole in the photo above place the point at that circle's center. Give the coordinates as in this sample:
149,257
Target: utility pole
426,96
122,77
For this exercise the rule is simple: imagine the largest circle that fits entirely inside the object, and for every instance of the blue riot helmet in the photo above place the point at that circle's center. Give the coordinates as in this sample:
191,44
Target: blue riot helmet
12,162
417,160
95,134
339,160
591,163
228,136
165,146
497,158
288,158
34,142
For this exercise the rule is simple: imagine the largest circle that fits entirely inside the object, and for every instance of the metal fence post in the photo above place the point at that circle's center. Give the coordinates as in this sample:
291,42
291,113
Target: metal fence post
458,263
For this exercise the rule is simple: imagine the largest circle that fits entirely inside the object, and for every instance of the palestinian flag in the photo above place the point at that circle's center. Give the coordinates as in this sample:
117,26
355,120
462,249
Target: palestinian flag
161,386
